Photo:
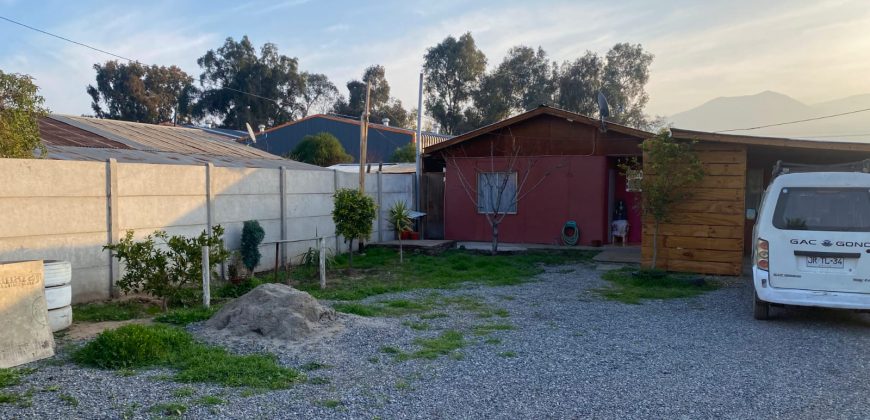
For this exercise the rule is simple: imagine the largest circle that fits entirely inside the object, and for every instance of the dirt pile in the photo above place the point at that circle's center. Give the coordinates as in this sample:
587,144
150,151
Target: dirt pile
273,311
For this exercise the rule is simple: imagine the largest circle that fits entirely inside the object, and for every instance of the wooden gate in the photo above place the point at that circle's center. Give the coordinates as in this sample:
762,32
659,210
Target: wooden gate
433,202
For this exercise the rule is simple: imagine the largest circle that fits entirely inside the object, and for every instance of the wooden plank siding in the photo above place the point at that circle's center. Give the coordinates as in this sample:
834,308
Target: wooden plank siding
705,233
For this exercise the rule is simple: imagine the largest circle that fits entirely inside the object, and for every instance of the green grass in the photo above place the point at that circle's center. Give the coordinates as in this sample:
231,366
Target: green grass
329,403
69,400
24,399
508,354
114,311
417,326
184,316
211,400
183,392
141,346
169,409
378,271
492,340
13,376
318,380
631,286
431,348
434,315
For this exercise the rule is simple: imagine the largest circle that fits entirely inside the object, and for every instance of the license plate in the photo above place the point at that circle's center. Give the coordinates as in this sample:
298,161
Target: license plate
824,262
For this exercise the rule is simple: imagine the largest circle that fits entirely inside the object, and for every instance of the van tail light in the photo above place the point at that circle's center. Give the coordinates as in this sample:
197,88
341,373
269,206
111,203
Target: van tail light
762,254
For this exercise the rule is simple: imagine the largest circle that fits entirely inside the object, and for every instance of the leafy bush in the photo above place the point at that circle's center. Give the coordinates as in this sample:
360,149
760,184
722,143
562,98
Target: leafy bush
321,149
252,236
353,216
166,272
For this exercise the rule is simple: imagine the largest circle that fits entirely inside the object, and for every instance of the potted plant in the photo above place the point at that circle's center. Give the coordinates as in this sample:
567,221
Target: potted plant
400,218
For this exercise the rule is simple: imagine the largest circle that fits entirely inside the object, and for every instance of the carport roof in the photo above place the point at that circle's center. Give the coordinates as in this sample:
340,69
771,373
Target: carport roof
678,133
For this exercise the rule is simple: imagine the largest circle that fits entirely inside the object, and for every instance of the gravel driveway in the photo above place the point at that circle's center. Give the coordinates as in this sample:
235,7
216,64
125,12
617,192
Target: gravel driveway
570,355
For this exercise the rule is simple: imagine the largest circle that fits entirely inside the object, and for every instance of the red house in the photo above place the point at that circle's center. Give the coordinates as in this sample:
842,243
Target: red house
548,166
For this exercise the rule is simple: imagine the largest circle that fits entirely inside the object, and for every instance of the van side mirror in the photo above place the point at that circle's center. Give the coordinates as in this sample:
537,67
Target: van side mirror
750,214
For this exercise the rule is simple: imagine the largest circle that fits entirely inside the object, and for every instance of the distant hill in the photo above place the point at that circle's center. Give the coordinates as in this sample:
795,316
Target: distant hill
772,107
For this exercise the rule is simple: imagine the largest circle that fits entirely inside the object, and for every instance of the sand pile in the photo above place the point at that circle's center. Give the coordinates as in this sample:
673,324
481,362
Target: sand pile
274,311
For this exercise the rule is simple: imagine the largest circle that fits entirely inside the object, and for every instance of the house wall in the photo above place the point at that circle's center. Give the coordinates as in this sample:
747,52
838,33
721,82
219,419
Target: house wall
705,233
60,209
381,143
573,188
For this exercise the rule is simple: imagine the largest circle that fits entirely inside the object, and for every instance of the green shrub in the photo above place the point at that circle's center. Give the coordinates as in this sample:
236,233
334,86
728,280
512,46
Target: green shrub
252,236
166,272
353,215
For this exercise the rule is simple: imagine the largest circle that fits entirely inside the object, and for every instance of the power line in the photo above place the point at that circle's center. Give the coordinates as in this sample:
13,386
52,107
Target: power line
795,122
116,55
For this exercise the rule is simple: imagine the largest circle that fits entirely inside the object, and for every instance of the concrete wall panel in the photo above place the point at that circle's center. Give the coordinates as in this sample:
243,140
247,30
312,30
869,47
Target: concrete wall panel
310,182
52,178
238,208
227,181
140,179
25,216
156,212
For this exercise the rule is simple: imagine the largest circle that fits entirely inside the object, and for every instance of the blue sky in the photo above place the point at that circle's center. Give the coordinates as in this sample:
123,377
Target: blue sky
811,50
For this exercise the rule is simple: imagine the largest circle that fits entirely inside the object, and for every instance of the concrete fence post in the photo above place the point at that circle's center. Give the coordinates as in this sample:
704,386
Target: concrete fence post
113,224
334,189
322,245
206,278
282,185
380,212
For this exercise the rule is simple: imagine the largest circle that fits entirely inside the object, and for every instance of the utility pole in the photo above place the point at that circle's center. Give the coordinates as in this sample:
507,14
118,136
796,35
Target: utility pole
363,140
419,152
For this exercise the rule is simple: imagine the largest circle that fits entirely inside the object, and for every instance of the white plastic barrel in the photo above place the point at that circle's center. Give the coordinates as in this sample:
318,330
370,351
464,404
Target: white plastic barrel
60,319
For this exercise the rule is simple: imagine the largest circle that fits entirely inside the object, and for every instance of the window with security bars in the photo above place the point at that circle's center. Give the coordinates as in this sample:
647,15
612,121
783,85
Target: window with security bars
497,192
634,180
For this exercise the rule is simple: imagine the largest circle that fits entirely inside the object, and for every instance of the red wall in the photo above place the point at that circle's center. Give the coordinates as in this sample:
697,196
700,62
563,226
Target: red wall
575,189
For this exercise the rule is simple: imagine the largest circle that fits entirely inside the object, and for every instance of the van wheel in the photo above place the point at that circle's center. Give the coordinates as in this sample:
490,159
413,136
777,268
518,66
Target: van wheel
761,308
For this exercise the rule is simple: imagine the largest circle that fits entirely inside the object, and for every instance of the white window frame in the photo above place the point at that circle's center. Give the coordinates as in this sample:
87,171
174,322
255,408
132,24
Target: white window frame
483,185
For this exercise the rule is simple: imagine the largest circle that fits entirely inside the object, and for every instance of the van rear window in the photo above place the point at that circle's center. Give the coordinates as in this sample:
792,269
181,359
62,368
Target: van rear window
823,209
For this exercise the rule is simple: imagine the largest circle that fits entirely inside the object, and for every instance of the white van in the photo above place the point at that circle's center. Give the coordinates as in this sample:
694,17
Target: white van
812,240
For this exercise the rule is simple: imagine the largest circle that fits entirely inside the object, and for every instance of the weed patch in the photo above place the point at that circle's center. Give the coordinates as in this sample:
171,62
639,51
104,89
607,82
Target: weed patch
169,409
430,348
69,400
184,316
210,400
114,311
314,366
329,403
139,346
183,392
319,380
20,399
507,354
417,326
632,286
11,376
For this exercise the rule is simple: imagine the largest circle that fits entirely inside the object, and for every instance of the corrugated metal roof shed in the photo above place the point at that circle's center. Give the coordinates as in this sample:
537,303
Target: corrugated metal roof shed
82,138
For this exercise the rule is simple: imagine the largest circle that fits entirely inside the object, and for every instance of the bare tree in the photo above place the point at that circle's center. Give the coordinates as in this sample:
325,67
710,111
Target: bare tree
500,187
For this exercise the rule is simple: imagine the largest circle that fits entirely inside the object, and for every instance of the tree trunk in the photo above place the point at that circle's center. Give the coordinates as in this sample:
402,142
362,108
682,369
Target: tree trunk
655,243
401,251
494,238
350,257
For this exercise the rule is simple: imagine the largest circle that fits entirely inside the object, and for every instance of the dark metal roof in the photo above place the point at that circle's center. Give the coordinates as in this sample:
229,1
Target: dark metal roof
82,138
